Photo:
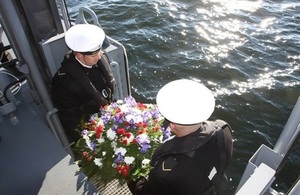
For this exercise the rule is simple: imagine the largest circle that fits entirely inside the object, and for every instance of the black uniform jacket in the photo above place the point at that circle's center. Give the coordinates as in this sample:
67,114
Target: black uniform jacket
175,172
76,92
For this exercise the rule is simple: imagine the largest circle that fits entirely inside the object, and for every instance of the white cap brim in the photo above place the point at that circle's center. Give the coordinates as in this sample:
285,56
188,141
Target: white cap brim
185,102
84,37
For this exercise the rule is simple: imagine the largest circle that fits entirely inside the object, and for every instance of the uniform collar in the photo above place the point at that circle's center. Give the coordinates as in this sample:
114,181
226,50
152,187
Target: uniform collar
84,65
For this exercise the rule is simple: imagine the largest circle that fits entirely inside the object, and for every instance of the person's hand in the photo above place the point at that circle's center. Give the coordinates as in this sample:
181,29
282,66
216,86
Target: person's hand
131,185
137,184
103,101
113,85
108,95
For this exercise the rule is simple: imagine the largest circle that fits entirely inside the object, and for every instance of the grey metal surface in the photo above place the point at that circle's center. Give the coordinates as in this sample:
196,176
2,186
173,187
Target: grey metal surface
32,160
296,188
17,34
54,50
274,158
289,132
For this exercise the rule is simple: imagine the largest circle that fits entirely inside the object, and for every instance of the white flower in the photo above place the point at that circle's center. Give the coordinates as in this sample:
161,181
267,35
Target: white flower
119,101
88,135
100,123
145,163
121,150
111,134
143,138
124,108
128,160
135,118
85,136
88,142
100,140
98,162
113,145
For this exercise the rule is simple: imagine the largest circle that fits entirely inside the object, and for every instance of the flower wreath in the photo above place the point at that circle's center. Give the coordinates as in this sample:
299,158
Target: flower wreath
118,142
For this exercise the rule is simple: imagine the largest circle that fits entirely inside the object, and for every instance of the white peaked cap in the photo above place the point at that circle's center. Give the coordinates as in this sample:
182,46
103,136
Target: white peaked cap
185,102
84,37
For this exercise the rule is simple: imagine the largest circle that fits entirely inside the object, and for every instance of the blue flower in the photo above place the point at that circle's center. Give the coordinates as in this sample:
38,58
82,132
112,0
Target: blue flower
119,158
166,133
130,101
93,146
84,132
145,147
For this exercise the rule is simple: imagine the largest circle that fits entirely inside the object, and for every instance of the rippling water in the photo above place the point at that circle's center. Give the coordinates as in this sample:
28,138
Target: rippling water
246,52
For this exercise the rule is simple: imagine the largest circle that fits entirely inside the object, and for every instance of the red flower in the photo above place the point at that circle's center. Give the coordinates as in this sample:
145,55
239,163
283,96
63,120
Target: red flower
99,131
125,173
121,131
119,167
123,169
141,106
121,115
85,154
118,110
134,141
139,124
124,141
140,132
127,134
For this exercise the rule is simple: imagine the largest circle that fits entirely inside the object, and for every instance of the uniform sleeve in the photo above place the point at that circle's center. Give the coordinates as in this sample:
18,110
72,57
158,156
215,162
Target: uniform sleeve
64,99
108,74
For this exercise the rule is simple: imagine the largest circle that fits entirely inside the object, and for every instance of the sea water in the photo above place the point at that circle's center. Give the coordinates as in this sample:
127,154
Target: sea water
246,52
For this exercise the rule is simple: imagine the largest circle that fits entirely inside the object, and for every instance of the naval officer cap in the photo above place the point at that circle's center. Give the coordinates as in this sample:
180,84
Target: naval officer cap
85,38
185,102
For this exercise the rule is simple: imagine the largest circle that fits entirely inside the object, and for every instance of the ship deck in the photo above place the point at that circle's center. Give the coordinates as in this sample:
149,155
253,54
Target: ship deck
32,160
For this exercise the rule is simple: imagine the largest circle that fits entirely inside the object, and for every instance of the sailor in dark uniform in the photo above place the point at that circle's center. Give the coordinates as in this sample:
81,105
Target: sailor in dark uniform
85,81
194,161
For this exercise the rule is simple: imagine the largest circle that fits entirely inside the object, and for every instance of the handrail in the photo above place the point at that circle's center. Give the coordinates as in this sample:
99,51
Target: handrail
262,177
289,131
51,125
64,13
80,19
48,118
